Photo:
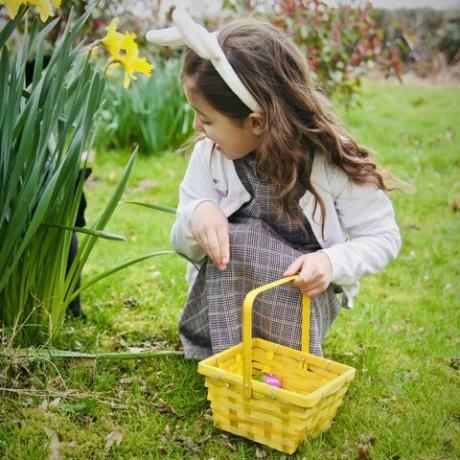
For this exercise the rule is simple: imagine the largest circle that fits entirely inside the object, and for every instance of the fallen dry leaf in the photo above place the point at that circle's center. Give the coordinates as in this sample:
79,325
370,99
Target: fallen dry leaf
129,380
230,446
227,443
53,445
188,442
167,409
205,439
135,349
367,438
199,424
131,302
261,453
454,205
146,184
363,452
115,437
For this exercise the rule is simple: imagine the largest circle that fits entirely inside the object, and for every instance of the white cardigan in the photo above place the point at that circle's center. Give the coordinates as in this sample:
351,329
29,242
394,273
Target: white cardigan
360,232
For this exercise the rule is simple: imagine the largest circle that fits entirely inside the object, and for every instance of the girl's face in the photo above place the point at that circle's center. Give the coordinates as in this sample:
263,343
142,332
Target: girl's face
232,139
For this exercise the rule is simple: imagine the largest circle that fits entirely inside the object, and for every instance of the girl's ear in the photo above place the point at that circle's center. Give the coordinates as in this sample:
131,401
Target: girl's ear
257,121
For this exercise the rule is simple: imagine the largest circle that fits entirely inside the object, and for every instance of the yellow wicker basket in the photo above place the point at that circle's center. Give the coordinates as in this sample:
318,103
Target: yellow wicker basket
280,418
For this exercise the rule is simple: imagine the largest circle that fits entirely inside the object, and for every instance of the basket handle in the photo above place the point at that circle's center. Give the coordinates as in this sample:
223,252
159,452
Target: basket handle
247,328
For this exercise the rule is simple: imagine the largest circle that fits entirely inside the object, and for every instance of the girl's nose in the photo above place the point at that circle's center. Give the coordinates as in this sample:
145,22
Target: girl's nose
197,125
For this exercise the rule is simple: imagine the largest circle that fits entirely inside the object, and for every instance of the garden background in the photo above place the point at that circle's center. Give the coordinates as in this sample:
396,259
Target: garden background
394,79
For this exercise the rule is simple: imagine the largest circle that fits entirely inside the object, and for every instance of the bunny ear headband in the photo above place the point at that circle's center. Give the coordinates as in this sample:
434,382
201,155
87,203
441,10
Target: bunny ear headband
205,44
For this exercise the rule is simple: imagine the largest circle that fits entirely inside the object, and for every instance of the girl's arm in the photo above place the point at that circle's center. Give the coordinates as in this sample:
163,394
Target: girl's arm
367,217
196,187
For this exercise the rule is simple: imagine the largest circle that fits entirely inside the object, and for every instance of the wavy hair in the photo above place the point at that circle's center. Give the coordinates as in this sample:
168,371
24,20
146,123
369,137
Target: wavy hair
298,121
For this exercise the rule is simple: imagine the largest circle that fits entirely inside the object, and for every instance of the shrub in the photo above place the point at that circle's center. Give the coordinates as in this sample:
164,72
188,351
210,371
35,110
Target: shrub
341,43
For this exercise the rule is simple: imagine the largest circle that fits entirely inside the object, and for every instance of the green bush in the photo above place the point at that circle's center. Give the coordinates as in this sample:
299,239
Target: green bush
152,113
427,34
340,42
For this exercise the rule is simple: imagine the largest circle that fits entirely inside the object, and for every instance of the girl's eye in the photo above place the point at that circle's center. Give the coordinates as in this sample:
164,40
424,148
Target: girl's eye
204,122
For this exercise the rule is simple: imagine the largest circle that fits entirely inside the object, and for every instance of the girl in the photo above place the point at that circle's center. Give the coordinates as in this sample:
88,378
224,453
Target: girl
274,187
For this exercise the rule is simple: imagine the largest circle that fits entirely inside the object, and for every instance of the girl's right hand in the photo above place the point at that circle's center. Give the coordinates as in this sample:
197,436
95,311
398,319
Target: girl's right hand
210,230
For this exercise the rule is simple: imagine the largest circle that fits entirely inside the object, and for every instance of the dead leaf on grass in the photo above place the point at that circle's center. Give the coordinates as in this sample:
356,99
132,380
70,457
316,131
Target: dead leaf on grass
188,442
146,184
53,445
227,443
115,437
230,446
129,380
199,424
131,302
261,453
363,452
54,404
367,438
167,409
449,134
135,349
205,439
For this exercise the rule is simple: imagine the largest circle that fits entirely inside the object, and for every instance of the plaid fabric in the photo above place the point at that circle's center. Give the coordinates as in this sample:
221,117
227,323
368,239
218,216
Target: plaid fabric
261,248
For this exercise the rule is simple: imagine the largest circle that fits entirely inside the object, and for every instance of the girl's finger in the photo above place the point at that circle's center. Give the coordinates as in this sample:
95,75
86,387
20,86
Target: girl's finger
306,276
212,246
294,267
224,243
313,289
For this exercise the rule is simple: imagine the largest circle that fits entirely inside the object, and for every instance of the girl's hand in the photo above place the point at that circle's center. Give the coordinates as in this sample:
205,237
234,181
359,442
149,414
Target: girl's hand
315,273
210,230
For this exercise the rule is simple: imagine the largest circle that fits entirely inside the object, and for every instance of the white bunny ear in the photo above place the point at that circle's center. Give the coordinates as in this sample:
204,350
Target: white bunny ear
165,37
205,44
195,35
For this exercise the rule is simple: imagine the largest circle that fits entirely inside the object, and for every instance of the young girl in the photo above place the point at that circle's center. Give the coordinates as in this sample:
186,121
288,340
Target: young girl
275,187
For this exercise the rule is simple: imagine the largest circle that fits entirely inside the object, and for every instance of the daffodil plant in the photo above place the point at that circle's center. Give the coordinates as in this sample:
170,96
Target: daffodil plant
45,125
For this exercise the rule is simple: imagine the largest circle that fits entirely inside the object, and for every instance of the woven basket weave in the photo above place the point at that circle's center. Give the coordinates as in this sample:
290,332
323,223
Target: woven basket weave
280,418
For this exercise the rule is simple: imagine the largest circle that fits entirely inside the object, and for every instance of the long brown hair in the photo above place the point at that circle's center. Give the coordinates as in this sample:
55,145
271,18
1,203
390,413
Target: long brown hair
298,122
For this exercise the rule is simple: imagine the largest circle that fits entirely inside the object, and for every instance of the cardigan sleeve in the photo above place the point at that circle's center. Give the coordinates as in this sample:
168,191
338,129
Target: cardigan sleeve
367,218
197,186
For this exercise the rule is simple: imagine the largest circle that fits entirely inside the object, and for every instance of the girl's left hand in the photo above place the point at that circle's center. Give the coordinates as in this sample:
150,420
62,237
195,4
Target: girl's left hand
315,273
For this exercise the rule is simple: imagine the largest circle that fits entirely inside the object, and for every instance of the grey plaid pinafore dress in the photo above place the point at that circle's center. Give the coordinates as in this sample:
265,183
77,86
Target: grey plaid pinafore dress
262,246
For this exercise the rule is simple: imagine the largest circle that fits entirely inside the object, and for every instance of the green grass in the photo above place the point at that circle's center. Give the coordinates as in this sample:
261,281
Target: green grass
401,335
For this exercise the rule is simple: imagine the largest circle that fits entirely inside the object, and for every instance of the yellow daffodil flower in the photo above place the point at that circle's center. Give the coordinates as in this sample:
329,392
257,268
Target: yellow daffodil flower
44,7
124,50
130,60
113,40
12,7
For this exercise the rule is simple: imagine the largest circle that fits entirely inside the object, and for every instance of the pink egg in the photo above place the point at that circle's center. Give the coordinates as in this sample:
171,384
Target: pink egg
271,379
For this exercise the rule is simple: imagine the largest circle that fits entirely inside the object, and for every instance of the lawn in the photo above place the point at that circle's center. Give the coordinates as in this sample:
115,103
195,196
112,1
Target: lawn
402,336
